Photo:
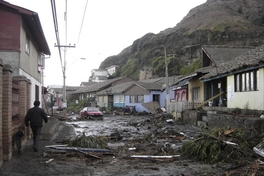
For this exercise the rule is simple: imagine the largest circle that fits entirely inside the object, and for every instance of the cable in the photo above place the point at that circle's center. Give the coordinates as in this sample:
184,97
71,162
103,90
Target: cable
55,21
82,21
80,32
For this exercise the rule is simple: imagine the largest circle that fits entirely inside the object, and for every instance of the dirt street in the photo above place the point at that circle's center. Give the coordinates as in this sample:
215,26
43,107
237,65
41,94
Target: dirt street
141,136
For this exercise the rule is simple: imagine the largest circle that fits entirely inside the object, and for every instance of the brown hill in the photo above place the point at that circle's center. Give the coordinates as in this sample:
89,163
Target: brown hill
216,22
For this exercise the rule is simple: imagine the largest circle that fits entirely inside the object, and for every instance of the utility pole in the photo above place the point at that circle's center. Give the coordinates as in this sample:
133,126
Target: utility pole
64,76
64,65
167,81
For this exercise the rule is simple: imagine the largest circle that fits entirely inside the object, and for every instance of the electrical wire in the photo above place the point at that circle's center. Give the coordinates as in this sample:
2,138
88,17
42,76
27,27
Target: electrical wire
80,31
82,21
56,27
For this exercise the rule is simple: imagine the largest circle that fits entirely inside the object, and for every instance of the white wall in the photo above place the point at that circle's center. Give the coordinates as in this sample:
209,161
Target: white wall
254,99
33,83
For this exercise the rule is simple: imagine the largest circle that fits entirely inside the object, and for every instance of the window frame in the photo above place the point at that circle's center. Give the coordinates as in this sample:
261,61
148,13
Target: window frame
136,98
247,81
27,44
196,93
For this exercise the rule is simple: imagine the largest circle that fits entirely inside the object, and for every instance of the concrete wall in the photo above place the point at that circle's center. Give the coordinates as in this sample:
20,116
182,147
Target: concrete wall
252,124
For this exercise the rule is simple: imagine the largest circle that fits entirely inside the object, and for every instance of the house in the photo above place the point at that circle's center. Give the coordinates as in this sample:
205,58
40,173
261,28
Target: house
136,94
200,93
23,45
149,90
114,93
112,69
23,49
90,91
243,80
98,75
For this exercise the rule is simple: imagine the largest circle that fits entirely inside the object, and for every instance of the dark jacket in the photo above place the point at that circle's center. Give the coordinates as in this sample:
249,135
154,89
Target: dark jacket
36,116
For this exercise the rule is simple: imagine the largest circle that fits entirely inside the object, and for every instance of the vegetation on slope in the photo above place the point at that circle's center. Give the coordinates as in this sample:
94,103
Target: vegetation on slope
216,22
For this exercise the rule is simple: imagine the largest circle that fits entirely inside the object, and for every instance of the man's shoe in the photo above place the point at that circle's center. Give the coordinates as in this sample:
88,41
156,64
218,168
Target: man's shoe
35,149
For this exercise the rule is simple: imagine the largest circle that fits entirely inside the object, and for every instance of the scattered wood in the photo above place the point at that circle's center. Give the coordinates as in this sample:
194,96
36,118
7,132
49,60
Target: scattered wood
49,161
112,162
81,149
230,143
51,146
87,153
133,148
156,157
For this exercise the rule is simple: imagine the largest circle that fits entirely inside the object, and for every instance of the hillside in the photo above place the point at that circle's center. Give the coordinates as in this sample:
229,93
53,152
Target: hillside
216,22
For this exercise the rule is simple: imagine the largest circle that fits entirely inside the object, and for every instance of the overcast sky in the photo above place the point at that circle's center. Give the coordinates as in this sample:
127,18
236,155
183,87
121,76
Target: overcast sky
107,28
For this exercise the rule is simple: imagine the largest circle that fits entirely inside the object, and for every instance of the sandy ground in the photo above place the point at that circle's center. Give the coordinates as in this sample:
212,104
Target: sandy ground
142,135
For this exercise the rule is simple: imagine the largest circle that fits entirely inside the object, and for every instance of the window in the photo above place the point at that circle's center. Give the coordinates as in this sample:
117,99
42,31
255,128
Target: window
27,44
156,97
120,98
196,93
247,81
140,98
136,99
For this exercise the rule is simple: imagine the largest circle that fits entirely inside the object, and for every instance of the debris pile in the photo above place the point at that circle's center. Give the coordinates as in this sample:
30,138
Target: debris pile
87,142
220,145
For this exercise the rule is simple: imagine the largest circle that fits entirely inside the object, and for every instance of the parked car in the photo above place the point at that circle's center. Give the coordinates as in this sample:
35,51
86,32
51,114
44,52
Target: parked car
91,113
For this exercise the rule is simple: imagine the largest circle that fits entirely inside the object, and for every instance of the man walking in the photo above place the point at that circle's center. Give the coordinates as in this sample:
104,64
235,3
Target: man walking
35,116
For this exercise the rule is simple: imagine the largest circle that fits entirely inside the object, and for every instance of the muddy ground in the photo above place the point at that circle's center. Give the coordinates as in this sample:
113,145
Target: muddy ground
141,135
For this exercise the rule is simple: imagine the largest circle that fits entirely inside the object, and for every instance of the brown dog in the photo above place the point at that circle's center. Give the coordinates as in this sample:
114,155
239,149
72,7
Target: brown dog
19,136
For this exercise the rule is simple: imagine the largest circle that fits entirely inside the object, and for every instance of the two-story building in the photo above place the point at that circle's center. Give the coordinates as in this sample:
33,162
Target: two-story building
23,45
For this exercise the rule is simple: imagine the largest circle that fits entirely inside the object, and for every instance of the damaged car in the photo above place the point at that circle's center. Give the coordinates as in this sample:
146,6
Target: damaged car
91,113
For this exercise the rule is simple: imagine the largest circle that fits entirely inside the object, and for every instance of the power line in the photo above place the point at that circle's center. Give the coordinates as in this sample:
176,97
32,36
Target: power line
56,27
82,21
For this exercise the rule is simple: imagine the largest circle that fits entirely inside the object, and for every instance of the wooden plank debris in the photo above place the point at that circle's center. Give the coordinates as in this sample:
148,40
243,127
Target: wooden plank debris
49,161
157,157
80,149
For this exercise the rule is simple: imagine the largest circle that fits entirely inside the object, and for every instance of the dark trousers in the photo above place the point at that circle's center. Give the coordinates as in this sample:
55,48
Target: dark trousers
36,135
